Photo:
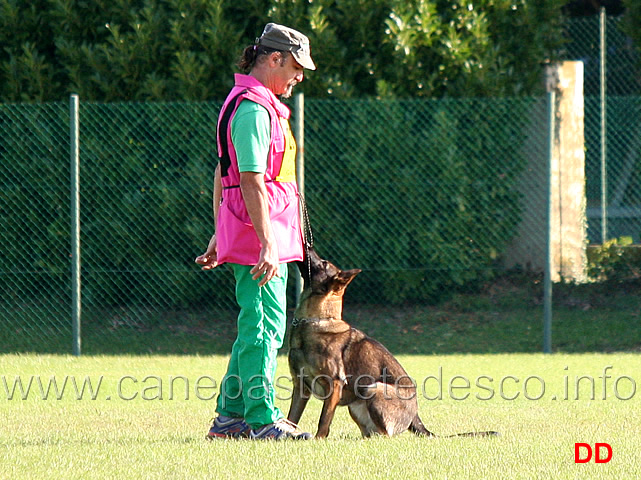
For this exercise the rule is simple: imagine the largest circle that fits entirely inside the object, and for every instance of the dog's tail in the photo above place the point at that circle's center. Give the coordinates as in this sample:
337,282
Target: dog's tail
489,433
418,428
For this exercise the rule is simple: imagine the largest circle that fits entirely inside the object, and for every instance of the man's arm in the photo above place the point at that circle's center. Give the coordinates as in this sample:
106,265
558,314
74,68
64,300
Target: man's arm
255,195
218,193
209,259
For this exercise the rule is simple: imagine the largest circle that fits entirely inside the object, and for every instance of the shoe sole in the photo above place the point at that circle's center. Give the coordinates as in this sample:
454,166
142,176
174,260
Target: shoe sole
216,436
284,437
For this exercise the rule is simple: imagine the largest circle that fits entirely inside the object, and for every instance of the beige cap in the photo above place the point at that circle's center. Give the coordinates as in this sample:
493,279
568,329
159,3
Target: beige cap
287,39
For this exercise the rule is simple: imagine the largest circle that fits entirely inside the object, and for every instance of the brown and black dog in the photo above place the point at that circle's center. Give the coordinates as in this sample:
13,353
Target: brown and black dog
341,365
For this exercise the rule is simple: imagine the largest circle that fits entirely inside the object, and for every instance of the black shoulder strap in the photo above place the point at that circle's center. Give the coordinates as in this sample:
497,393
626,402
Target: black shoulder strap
223,126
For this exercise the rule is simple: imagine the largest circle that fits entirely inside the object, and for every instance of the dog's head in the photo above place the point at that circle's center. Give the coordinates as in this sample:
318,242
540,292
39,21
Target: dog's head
325,276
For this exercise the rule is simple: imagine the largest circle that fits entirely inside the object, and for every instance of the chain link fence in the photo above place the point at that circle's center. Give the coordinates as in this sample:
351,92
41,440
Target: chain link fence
426,196
428,208
34,213
145,213
422,195
613,169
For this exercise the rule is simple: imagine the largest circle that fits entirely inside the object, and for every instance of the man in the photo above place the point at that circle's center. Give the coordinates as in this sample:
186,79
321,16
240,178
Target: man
258,228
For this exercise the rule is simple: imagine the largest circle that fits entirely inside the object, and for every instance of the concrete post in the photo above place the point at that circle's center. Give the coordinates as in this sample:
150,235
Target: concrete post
568,232
569,221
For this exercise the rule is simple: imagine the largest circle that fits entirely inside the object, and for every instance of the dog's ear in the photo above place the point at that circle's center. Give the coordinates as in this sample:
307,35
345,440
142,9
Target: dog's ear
344,277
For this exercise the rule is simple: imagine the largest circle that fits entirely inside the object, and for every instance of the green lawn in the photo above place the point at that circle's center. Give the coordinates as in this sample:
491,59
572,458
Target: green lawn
146,430
474,357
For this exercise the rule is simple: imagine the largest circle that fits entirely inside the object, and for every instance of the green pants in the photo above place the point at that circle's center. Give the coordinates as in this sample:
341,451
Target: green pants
247,390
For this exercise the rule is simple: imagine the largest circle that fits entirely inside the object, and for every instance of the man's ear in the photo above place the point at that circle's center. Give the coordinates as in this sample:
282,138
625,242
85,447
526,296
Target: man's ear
276,59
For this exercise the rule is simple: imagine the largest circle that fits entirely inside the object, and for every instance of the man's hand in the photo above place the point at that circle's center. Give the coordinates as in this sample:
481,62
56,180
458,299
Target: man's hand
268,264
209,259
252,186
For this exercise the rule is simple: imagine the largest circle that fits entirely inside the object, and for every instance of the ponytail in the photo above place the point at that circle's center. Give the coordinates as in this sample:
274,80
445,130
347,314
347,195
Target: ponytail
250,56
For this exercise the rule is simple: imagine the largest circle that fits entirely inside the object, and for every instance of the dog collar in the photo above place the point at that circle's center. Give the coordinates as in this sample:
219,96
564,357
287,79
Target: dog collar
328,325
301,321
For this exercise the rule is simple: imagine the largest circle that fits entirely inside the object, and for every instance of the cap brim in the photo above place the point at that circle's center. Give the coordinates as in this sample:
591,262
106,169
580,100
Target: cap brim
304,61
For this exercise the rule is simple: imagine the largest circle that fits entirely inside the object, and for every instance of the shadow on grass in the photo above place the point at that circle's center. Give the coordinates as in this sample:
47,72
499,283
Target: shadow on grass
504,316
135,331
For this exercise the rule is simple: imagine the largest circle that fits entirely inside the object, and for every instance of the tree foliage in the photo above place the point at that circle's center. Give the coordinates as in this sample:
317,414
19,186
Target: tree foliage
429,48
632,23
134,50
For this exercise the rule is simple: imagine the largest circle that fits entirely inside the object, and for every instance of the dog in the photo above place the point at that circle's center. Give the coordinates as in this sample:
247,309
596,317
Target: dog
342,366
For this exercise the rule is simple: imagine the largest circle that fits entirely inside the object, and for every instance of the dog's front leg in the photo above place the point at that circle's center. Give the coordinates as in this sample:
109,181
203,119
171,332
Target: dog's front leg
329,408
300,397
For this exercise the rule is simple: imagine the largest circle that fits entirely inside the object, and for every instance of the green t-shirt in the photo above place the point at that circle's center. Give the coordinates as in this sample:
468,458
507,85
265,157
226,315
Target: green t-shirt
251,135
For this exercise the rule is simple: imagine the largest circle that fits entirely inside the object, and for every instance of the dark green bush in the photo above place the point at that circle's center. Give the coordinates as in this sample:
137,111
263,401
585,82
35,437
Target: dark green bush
420,194
34,200
146,212
617,260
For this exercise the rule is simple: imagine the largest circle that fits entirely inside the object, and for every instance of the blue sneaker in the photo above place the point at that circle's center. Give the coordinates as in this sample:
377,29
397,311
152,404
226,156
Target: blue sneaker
228,427
279,430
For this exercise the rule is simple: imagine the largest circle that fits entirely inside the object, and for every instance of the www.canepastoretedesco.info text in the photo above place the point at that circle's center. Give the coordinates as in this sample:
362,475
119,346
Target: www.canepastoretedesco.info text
435,386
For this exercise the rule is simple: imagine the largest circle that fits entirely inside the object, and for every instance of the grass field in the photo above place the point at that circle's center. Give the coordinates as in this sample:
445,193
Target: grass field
137,426
474,357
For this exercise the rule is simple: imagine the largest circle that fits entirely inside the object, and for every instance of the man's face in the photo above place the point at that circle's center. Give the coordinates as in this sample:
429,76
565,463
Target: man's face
287,75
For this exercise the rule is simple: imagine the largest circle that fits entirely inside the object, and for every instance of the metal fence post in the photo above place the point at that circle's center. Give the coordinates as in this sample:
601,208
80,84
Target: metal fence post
604,172
74,137
547,273
299,132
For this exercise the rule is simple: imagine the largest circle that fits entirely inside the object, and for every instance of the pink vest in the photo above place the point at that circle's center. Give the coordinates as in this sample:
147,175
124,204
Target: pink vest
237,241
